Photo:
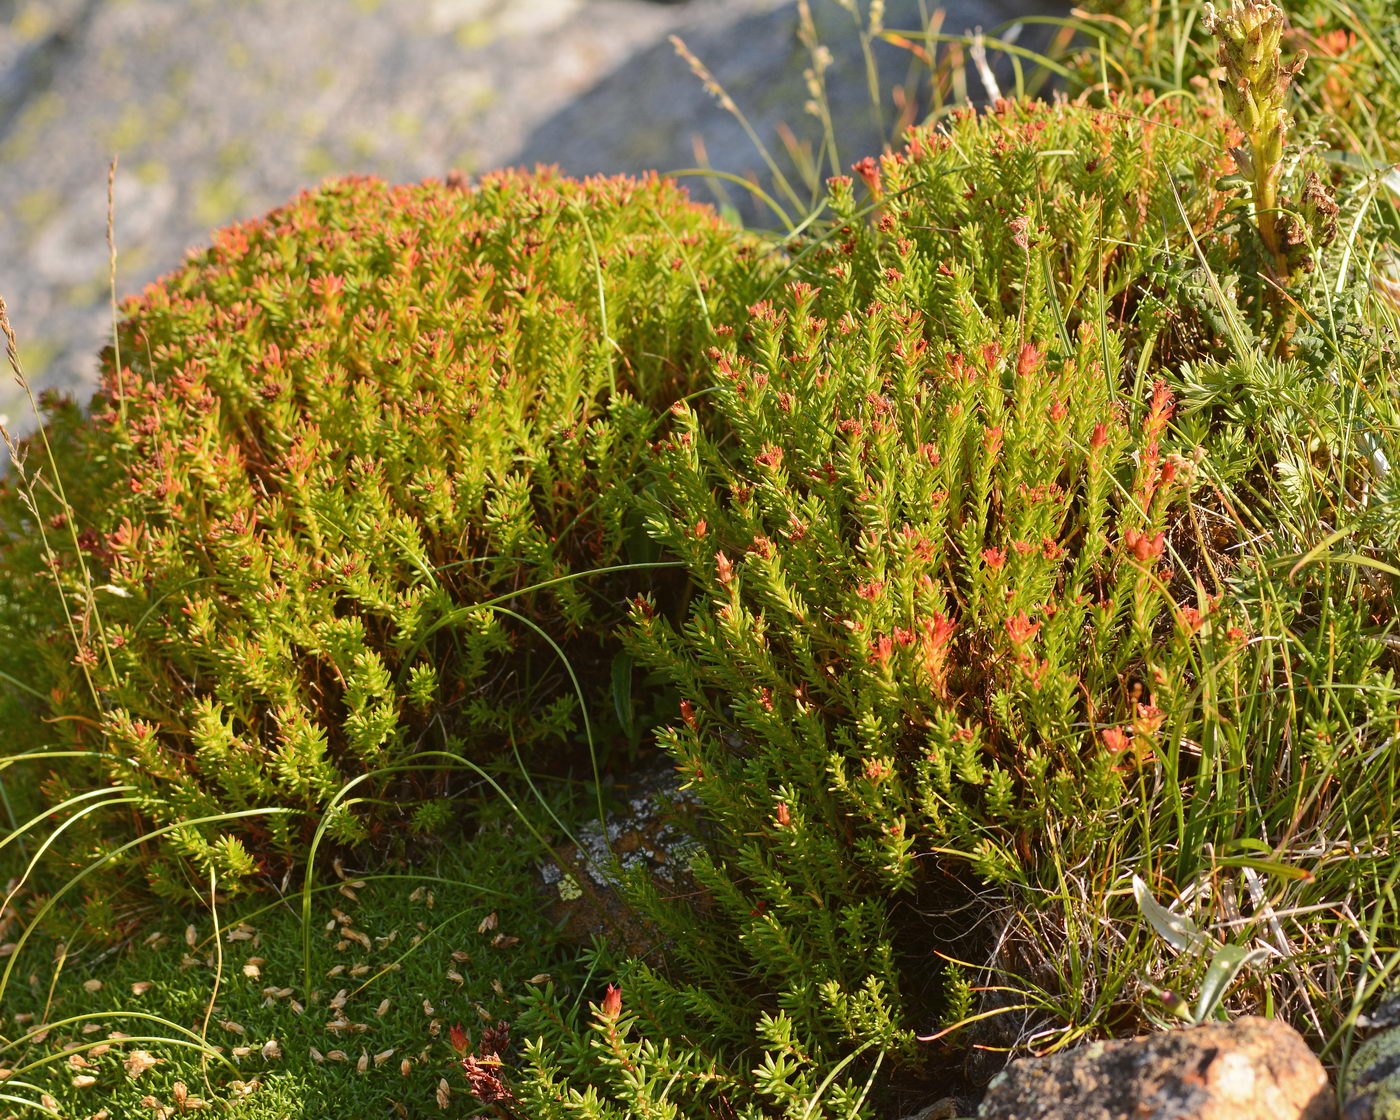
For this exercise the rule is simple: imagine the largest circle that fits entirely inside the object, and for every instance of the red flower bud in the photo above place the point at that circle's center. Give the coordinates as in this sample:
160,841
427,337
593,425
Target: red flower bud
869,170
1021,629
612,1002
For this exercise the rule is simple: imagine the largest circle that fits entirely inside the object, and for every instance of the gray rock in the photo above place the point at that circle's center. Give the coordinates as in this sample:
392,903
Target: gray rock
1251,1069
1371,1086
759,61
220,109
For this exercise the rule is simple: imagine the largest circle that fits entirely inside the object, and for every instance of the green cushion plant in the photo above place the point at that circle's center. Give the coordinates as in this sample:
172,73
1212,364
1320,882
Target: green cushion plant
319,447
958,644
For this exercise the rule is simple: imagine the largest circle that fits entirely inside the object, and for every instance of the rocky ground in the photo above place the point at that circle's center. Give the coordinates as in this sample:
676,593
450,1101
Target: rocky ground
220,109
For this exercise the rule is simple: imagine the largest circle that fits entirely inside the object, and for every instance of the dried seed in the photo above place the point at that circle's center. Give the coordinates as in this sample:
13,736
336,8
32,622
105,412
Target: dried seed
336,971
359,970
83,1080
232,1027
141,987
539,978
461,957
502,941
428,1009
383,1007
92,985
444,1093
271,1050
316,1055
240,1052
363,1063
405,1067
383,1056
455,976
138,1062
488,923
191,936
361,939
337,1056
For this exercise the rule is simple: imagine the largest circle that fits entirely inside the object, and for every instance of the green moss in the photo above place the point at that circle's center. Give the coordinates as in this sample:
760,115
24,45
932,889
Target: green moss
475,34
216,200
37,207
40,113
427,966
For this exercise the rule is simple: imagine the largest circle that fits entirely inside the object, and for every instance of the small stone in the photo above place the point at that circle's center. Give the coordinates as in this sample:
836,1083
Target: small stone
1251,1069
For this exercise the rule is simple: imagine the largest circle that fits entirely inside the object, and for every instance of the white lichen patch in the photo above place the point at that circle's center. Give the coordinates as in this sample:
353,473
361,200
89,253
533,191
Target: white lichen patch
653,835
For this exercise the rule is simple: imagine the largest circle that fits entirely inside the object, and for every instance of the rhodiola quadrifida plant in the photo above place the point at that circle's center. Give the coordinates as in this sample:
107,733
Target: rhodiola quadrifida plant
957,628
330,438
998,612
